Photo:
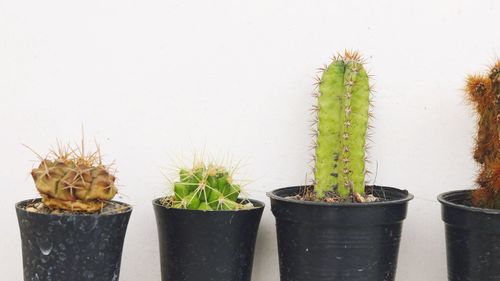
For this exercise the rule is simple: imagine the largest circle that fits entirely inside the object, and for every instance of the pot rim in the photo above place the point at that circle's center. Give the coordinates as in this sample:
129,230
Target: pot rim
78,214
442,199
407,197
260,205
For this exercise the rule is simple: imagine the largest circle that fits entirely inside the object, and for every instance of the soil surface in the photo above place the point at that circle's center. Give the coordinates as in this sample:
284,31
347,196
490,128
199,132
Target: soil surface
107,208
168,202
308,194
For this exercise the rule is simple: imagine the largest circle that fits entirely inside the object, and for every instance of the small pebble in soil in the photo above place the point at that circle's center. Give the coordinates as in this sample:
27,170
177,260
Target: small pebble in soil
31,209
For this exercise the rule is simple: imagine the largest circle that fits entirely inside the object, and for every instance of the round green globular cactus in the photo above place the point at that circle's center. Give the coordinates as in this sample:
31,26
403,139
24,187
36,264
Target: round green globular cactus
206,188
342,122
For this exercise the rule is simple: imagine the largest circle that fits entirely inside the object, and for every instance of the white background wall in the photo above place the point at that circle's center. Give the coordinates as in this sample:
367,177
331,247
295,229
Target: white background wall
153,81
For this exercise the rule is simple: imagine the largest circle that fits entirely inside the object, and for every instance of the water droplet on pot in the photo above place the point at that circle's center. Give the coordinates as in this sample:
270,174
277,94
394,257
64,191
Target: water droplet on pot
45,245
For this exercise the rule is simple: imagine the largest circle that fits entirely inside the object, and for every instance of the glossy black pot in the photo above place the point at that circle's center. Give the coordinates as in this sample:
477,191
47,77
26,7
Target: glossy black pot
319,241
207,245
472,238
72,247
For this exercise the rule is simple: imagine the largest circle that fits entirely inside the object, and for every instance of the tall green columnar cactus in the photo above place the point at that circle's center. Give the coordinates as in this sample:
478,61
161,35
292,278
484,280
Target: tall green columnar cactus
343,113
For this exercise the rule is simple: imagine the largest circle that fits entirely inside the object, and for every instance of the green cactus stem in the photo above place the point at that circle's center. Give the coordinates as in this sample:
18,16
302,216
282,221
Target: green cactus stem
206,188
343,113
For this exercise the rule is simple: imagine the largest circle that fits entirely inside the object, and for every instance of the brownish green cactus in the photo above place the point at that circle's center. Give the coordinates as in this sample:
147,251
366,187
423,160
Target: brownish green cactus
484,93
71,180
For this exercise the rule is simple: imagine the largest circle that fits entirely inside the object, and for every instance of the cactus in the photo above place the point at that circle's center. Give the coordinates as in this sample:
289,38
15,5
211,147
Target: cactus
484,93
71,180
206,188
342,121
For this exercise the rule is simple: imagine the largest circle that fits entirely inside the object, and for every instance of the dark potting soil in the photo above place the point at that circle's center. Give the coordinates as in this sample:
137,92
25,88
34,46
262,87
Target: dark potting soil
107,208
307,194
169,201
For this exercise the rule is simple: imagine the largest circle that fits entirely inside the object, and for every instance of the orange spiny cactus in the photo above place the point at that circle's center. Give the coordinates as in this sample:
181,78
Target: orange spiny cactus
484,94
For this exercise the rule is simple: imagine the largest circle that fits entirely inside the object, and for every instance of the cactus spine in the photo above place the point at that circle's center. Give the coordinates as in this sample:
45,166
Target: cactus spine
484,93
206,188
342,116
73,181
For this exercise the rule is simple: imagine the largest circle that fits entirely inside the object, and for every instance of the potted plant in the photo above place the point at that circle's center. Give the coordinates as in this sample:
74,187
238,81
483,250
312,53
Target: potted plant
74,231
205,231
472,217
338,228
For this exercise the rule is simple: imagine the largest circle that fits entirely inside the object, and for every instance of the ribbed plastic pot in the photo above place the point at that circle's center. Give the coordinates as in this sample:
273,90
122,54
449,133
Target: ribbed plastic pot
320,241
71,247
207,245
472,238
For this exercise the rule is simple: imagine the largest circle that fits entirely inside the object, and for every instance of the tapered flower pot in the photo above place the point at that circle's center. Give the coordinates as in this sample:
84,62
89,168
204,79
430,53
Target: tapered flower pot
207,245
320,241
72,247
472,238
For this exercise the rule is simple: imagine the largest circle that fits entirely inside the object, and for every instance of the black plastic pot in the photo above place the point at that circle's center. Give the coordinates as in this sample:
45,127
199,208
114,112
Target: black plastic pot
319,241
472,238
207,245
71,247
